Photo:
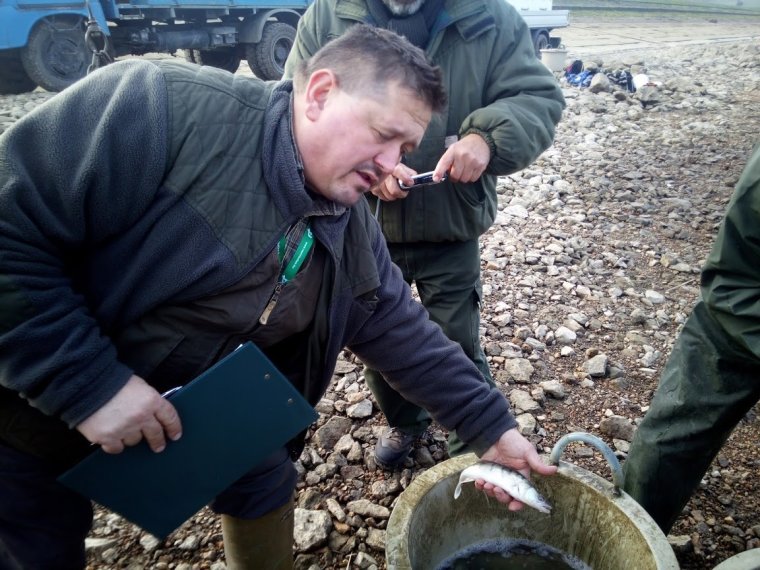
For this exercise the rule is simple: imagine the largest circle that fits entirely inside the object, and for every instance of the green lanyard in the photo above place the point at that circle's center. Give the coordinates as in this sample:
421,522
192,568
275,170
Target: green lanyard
290,271
302,251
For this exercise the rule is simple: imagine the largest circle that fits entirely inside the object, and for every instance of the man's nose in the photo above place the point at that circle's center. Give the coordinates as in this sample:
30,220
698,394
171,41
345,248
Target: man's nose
388,159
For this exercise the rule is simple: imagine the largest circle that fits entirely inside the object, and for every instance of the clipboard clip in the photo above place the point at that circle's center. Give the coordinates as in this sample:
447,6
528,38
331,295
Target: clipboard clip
168,394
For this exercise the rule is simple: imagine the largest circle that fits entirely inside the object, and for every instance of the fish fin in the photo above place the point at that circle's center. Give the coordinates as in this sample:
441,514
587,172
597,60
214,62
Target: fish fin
462,479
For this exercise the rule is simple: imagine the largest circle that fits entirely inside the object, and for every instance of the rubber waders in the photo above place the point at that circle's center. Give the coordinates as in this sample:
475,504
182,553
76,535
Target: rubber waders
265,543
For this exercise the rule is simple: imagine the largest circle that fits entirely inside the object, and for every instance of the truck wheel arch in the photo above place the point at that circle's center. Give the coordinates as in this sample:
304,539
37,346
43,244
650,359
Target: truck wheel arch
268,38
253,27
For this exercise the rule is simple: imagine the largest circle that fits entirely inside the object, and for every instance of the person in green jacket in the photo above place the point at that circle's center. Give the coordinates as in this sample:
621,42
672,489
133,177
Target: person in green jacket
712,378
503,108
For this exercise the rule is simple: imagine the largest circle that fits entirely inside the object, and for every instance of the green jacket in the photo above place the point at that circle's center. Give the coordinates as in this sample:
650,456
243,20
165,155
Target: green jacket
497,88
731,276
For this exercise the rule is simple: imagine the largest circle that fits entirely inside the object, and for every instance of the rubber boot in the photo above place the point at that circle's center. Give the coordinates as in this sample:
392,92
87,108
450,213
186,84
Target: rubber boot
265,543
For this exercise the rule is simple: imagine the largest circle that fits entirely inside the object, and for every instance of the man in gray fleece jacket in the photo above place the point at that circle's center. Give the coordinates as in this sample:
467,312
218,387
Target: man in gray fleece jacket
143,210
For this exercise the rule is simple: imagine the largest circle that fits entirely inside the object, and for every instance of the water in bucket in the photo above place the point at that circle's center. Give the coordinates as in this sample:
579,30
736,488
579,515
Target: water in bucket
512,555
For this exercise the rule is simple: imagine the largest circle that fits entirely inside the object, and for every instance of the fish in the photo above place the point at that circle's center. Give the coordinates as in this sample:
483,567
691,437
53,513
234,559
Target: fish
512,482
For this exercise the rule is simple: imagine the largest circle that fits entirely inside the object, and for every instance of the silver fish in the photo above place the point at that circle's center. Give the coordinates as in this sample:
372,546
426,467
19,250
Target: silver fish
511,481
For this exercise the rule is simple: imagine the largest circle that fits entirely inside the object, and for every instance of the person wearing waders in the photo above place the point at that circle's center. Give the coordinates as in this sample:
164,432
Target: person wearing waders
712,378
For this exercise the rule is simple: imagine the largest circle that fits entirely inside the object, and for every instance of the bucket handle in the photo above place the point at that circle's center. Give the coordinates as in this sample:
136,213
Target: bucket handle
617,471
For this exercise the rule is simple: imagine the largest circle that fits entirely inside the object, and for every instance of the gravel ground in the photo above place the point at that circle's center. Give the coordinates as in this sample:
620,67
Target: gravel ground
589,271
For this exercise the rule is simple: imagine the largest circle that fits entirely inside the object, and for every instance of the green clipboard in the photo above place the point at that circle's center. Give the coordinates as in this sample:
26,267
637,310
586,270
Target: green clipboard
233,415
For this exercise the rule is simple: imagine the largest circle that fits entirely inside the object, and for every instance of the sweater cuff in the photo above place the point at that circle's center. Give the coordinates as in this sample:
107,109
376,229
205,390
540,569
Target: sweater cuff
112,379
483,442
486,136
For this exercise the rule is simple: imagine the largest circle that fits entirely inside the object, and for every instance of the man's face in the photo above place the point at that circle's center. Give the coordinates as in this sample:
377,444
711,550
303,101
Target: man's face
404,7
354,141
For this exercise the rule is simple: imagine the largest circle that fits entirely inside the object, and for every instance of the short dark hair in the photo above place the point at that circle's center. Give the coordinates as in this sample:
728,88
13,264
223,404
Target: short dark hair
366,59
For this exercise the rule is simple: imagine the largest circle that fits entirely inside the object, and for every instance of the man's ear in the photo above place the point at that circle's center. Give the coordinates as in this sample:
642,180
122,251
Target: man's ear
322,83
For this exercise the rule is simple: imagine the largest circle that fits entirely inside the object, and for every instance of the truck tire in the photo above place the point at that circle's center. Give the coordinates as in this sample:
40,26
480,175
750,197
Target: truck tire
223,58
56,55
267,58
540,41
13,76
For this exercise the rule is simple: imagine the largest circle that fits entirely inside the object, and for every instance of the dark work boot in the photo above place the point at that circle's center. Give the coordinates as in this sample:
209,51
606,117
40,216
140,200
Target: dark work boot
393,447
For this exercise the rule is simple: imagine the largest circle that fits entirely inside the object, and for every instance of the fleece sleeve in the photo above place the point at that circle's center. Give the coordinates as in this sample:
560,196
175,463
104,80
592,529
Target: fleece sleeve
427,368
74,173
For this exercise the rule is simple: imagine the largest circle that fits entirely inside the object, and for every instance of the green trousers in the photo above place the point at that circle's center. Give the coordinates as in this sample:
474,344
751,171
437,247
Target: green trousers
447,277
708,385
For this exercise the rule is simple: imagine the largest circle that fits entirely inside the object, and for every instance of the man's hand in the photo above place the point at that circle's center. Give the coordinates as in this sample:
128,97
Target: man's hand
137,411
515,452
389,190
465,160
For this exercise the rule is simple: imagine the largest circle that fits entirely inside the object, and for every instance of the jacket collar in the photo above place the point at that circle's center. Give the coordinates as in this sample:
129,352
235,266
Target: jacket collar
467,15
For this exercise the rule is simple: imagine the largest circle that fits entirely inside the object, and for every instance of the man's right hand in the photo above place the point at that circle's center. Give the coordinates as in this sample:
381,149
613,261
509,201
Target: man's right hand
389,190
514,451
137,411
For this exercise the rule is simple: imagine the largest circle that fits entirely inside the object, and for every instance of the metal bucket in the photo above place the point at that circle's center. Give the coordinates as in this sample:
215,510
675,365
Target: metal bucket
747,560
591,519
554,59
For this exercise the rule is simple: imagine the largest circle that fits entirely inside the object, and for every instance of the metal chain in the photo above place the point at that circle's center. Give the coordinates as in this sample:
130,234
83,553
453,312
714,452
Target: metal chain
97,42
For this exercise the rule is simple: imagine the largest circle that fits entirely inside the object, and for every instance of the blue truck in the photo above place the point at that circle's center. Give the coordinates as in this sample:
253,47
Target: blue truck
43,42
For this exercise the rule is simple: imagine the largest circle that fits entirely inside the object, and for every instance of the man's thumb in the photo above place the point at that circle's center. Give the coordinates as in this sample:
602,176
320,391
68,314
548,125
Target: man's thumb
538,465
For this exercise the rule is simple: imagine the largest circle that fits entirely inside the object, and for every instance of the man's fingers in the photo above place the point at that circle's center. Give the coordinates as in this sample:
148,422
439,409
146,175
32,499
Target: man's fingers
132,439
536,464
154,436
169,419
165,423
497,493
406,179
112,446
501,495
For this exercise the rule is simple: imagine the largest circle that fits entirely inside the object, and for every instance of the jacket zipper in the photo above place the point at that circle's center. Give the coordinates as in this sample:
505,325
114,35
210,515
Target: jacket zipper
272,303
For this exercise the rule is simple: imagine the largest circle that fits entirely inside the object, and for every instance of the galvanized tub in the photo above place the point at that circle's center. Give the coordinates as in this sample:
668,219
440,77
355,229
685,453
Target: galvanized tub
591,519
554,58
